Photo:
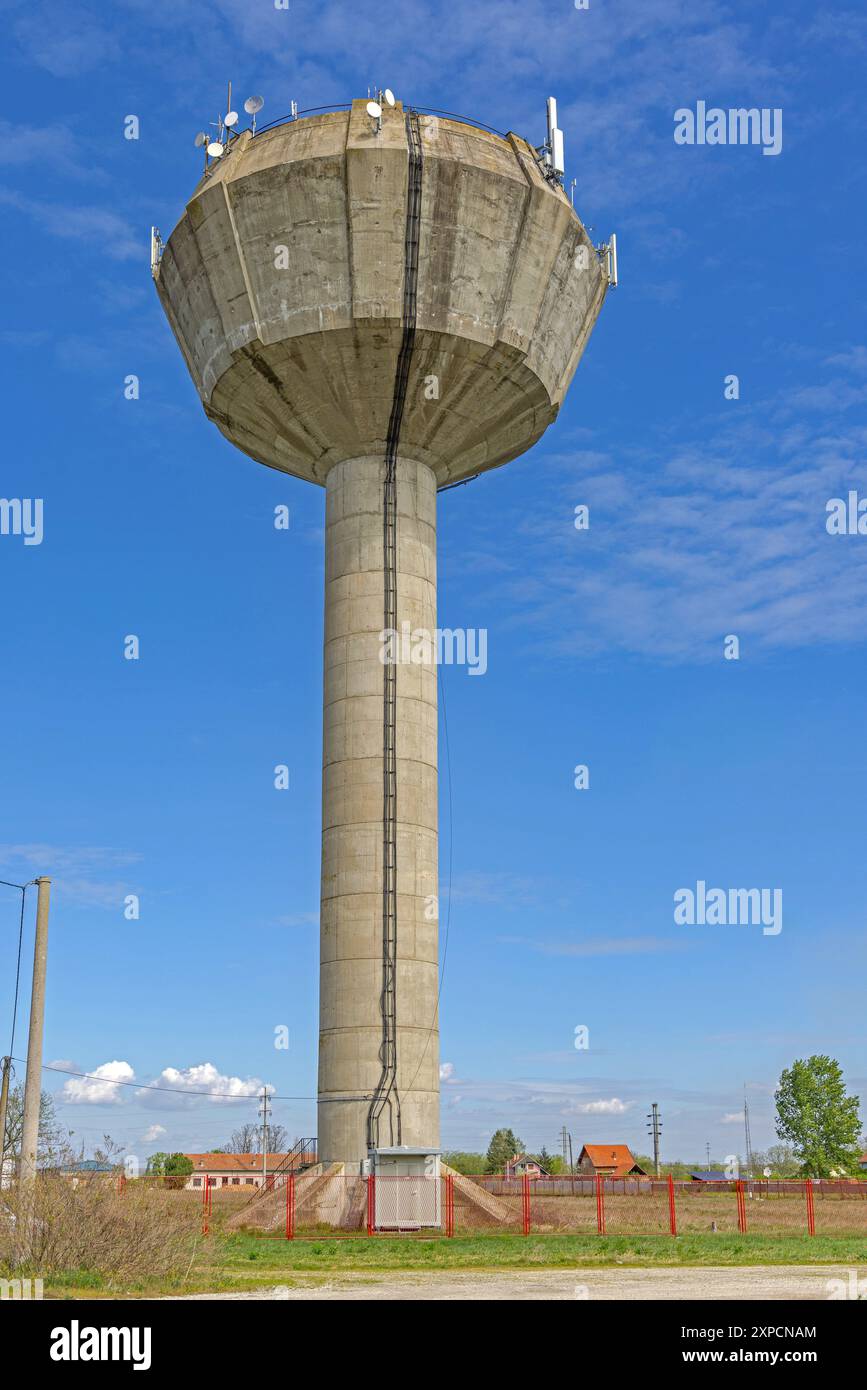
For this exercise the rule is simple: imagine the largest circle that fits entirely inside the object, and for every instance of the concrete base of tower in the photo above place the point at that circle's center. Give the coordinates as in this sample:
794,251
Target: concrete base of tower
351,923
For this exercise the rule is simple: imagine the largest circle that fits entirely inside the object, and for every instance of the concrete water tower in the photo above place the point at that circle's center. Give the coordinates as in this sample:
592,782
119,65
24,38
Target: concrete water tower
384,303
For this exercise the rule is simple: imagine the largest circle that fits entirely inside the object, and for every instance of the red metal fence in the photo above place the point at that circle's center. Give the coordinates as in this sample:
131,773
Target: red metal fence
327,1205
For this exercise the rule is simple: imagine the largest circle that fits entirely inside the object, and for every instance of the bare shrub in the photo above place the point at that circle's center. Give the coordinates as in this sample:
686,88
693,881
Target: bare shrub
54,1226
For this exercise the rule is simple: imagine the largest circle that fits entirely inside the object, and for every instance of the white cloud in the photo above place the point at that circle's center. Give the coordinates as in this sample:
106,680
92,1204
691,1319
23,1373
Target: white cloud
152,1133
203,1081
600,1107
734,1118
447,1071
97,1088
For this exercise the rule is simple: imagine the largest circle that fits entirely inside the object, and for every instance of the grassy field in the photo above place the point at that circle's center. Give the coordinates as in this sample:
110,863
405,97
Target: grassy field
228,1263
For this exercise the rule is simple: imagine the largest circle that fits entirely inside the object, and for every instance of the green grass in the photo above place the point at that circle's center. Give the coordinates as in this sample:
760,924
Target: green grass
250,1253
229,1263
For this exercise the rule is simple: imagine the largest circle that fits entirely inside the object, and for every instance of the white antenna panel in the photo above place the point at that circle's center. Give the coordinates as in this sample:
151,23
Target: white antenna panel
557,154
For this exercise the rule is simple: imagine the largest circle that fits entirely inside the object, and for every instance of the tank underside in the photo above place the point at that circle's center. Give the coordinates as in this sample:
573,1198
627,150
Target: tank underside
284,284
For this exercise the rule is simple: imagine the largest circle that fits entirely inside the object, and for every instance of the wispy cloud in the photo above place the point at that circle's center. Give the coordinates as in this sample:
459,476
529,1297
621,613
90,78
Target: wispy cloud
714,536
79,873
500,889
105,231
52,146
599,945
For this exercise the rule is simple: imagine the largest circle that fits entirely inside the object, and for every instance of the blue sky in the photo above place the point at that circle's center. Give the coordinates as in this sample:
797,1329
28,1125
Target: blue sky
605,647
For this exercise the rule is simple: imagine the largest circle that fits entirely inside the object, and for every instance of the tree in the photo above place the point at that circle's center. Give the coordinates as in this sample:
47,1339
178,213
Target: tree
109,1152
550,1163
780,1158
244,1140
53,1148
175,1168
503,1147
464,1162
247,1139
278,1139
817,1118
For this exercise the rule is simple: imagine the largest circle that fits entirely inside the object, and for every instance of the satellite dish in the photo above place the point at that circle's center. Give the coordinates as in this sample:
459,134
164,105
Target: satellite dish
767,1172
215,149
253,104
374,110
231,118
389,96
200,140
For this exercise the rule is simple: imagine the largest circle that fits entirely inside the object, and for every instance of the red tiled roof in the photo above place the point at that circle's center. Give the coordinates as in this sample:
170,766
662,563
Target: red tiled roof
603,1155
234,1163
616,1156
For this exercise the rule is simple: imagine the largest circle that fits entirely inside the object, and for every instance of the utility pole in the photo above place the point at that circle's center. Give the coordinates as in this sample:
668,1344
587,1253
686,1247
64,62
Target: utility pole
263,1111
571,1164
33,1079
707,1152
4,1104
655,1128
747,1134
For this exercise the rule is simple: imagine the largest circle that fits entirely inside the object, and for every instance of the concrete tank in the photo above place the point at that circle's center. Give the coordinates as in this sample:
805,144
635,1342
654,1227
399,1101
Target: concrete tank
384,312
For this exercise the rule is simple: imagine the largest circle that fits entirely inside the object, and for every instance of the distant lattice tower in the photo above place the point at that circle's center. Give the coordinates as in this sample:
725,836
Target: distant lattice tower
383,306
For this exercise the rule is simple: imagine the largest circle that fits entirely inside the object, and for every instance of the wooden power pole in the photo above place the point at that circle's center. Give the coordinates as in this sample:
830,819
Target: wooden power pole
33,1079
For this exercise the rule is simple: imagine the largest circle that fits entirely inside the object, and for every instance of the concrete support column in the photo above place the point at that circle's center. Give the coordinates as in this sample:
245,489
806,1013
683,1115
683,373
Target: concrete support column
352,810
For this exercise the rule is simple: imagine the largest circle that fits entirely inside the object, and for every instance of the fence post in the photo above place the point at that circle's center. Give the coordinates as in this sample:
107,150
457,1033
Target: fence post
450,1205
672,1213
600,1204
205,1206
371,1204
742,1206
290,1206
811,1210
525,1203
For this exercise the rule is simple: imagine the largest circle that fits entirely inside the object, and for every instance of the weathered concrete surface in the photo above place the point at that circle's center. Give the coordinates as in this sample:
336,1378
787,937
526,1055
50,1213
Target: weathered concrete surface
284,285
296,365
350,1020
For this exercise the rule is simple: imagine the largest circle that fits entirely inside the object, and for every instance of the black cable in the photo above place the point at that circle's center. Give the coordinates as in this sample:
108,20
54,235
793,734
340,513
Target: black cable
187,1091
449,910
18,971
387,1084
22,888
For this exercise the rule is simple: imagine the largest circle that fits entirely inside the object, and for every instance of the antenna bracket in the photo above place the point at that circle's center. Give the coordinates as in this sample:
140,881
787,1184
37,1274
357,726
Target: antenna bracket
607,253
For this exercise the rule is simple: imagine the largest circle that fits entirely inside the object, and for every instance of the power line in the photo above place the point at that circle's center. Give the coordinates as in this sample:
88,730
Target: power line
189,1091
23,890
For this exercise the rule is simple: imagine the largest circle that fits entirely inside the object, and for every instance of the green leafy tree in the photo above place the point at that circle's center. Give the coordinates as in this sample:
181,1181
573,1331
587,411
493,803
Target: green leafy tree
464,1162
175,1168
817,1118
503,1146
